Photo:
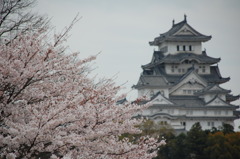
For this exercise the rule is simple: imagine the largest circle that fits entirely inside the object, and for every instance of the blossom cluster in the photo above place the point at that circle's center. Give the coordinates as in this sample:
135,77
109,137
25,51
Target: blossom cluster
49,105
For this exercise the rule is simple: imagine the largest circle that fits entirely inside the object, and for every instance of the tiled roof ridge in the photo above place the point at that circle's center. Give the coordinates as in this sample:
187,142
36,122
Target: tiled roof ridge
169,35
184,56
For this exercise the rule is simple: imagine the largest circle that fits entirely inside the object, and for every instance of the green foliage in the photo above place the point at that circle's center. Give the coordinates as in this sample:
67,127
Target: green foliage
156,130
174,149
196,142
227,128
151,129
222,143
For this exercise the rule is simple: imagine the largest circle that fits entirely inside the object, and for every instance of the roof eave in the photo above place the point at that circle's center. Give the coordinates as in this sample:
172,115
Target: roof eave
157,42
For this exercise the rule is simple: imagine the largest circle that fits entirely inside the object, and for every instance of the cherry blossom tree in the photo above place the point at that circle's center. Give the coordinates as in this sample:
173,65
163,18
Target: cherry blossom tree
50,106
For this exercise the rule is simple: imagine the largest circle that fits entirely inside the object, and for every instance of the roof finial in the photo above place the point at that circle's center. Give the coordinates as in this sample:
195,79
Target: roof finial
204,52
173,22
185,17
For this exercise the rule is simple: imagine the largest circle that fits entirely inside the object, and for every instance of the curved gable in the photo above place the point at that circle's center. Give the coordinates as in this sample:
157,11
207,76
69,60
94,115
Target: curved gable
186,30
216,101
191,78
161,100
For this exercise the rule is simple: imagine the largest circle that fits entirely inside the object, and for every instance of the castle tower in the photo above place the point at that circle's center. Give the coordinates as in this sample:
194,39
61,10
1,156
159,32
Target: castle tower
184,82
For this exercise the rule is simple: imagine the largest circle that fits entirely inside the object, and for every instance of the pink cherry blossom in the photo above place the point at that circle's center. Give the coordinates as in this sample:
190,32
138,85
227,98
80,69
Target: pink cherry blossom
49,104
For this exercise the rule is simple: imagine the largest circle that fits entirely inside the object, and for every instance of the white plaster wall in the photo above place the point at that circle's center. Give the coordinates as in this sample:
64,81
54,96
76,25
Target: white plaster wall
208,97
176,124
183,68
150,111
222,96
209,113
165,110
189,124
200,70
182,112
146,112
206,125
172,47
184,90
212,113
217,102
197,112
140,93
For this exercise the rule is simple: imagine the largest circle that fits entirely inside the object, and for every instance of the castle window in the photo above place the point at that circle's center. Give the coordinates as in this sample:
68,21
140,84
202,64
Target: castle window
183,123
189,112
217,112
172,68
203,69
163,123
208,123
226,112
205,112
186,62
181,70
177,47
184,48
190,47
211,124
194,91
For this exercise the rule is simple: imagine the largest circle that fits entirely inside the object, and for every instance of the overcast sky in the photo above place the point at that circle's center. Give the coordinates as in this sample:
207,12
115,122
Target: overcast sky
121,30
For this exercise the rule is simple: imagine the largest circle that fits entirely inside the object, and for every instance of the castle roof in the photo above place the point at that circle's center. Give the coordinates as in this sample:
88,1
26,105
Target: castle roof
187,101
181,31
215,76
213,89
187,79
179,58
191,102
231,98
161,79
151,81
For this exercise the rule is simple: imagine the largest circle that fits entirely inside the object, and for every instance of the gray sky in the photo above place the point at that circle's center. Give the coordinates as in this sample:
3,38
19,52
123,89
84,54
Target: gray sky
121,30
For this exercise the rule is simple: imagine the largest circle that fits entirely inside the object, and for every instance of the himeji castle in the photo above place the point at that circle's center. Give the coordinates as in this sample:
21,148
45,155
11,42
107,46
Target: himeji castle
184,82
